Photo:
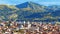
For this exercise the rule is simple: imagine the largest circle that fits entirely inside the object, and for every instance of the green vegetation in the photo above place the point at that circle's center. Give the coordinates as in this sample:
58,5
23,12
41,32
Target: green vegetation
31,12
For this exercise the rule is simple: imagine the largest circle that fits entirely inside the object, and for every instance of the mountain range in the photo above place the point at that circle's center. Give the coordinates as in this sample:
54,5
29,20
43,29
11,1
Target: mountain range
29,11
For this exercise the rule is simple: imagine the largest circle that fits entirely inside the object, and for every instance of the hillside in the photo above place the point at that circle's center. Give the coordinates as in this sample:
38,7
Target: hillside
29,11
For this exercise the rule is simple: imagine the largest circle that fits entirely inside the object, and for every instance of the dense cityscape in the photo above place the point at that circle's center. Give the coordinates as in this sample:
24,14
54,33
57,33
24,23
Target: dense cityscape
10,27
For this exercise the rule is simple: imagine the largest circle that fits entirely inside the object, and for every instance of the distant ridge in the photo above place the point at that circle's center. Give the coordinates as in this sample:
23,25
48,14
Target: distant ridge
24,5
29,11
32,6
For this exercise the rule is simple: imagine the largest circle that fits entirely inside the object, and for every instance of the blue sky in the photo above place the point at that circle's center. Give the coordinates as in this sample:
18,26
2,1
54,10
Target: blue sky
43,2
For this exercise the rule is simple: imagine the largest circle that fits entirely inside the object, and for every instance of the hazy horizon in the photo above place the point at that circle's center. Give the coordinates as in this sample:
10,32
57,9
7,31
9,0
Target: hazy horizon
42,2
